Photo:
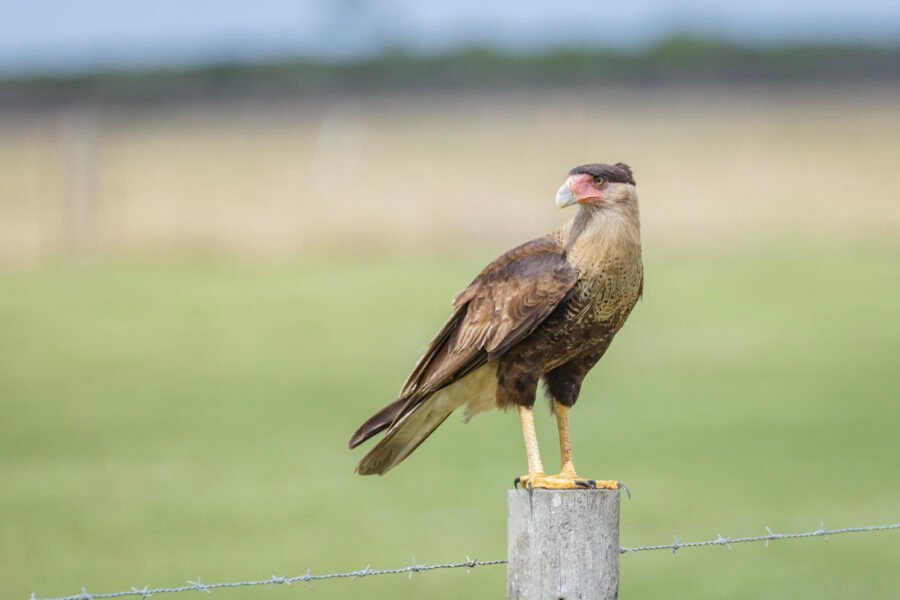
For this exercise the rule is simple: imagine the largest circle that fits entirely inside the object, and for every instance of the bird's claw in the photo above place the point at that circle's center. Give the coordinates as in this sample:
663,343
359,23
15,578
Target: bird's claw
603,485
565,481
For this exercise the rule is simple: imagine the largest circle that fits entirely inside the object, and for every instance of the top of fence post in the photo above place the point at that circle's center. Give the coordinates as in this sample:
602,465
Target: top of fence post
562,544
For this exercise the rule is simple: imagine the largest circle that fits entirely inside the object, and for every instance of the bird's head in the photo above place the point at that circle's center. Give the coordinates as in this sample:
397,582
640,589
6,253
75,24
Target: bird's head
597,185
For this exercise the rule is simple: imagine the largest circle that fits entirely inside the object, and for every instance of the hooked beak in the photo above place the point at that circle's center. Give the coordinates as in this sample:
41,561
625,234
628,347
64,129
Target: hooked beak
565,196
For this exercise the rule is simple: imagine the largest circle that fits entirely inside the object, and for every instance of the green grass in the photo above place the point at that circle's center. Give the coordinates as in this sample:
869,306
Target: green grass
167,421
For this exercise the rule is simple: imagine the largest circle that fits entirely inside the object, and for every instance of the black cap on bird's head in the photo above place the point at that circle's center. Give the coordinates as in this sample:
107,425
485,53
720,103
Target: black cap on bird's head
589,184
617,173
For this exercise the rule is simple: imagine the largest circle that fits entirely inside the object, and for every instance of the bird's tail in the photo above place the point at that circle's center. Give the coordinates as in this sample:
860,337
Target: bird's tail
405,435
377,423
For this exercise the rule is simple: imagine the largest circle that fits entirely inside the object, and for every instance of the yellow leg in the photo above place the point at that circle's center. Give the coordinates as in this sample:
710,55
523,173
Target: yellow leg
567,471
526,415
565,446
567,478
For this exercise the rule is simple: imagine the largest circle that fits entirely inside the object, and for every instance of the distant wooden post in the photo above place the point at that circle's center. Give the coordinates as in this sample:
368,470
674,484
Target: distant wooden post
563,545
79,202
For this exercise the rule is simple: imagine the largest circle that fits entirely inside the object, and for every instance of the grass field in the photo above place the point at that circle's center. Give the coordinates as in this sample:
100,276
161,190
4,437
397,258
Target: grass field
184,354
168,421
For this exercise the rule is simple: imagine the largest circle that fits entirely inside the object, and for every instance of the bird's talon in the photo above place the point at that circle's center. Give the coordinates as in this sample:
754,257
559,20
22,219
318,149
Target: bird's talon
622,486
565,481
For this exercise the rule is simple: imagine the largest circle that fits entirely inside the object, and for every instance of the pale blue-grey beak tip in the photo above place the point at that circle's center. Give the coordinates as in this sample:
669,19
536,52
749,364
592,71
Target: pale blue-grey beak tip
565,197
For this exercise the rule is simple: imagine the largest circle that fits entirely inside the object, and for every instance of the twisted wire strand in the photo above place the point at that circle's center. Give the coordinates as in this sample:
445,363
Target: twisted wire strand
770,535
468,564
199,586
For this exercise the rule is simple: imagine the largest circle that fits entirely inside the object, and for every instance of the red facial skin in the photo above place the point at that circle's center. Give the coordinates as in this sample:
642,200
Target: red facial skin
585,189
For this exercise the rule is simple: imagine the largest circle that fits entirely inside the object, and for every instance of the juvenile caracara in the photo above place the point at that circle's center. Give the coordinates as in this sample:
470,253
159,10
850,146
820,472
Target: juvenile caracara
547,309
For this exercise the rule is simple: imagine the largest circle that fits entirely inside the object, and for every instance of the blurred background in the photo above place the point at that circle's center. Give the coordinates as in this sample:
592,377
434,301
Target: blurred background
228,230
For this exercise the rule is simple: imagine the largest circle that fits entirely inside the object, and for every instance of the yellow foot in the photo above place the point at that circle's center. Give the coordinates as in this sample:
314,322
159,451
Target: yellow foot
565,481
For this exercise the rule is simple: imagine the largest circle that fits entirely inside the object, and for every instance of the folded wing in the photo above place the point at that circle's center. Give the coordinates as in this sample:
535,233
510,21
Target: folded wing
506,302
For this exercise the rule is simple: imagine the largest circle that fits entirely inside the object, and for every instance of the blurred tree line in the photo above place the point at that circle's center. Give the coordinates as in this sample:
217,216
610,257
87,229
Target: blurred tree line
681,60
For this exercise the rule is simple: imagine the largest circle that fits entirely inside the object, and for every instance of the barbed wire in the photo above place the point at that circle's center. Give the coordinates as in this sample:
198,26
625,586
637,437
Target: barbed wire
199,586
468,564
770,535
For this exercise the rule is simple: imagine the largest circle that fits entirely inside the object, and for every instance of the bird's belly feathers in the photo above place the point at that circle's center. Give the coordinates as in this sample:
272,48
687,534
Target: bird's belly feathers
592,317
612,292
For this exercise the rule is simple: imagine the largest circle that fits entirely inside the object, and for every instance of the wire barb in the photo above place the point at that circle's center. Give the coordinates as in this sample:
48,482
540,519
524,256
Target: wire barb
675,546
468,565
200,586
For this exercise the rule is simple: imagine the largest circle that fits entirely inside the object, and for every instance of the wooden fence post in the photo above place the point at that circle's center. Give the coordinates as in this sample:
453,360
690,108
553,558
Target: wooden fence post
80,173
562,545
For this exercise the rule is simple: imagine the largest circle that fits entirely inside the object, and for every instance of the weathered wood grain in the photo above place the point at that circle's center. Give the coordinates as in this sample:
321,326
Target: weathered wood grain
563,545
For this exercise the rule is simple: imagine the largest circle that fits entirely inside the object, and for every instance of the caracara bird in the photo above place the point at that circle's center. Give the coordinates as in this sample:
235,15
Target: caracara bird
547,309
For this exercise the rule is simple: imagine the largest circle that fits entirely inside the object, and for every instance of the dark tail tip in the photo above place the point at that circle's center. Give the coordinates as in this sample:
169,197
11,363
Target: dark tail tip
377,423
356,439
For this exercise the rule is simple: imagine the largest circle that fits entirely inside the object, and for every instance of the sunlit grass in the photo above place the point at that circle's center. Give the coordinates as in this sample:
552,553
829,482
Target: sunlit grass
163,421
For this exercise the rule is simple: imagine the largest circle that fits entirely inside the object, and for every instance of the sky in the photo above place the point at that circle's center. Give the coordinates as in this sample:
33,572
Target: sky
67,36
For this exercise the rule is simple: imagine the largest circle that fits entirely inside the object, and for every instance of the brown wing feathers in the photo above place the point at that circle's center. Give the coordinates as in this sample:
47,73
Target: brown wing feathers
504,304
511,302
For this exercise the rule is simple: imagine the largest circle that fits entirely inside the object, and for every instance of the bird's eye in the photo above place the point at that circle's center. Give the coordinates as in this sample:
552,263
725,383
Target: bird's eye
598,181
